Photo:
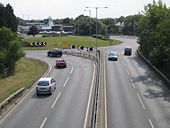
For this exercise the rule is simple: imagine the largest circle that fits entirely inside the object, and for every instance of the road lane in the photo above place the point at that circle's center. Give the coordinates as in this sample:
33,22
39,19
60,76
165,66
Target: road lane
66,107
124,109
153,96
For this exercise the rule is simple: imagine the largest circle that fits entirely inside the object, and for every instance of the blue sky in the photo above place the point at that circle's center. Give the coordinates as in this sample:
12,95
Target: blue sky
57,9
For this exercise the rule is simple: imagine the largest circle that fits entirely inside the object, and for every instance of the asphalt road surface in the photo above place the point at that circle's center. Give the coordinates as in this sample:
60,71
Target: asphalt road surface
135,98
67,107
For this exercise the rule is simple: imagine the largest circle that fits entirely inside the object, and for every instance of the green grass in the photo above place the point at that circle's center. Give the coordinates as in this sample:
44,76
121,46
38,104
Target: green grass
26,74
57,42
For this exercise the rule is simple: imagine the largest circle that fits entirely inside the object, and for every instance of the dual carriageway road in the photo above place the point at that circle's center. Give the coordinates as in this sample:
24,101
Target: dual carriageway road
134,96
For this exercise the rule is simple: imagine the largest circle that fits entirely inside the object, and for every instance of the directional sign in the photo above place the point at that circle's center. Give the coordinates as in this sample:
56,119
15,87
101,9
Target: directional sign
71,46
89,48
80,48
38,43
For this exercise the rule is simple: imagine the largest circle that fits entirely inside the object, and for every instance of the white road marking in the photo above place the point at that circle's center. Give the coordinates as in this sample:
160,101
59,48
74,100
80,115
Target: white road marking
140,100
90,96
122,61
45,119
151,123
71,70
105,95
56,100
127,71
66,82
132,83
69,75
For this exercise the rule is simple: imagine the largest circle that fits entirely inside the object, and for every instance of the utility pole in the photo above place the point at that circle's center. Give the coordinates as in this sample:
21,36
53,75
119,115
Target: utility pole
96,23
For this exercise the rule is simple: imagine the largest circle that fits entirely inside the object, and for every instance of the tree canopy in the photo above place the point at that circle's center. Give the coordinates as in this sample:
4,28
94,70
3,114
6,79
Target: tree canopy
10,52
154,35
7,17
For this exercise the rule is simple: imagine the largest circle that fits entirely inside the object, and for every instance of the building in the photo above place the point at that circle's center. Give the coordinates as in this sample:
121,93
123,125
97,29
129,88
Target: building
44,28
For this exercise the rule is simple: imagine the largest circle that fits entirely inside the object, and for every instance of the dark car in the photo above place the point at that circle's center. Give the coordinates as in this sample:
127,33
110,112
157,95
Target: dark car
128,51
60,63
55,52
113,56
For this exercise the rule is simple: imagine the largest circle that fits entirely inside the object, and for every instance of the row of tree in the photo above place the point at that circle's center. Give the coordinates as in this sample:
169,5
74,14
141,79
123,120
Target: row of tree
10,44
7,17
84,25
154,35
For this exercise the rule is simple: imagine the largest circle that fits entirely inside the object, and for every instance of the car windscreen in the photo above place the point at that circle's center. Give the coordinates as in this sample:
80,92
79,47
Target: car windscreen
112,54
62,61
43,83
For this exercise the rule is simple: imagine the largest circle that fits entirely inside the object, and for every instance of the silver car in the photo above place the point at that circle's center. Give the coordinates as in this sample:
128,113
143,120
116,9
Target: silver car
45,86
113,56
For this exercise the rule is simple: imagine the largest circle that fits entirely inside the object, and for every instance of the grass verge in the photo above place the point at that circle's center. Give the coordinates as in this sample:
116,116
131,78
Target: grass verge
26,74
57,42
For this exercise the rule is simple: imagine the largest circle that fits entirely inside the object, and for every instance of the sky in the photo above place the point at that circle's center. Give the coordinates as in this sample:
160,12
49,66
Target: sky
59,9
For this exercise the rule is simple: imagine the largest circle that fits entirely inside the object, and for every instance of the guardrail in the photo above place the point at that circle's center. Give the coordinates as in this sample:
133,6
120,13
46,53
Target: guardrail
160,74
10,98
93,114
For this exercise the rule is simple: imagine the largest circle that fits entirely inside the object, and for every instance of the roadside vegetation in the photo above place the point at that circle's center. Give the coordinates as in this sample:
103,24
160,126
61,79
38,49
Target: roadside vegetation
26,73
58,42
154,36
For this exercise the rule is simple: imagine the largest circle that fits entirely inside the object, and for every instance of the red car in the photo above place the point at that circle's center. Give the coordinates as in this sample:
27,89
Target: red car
60,63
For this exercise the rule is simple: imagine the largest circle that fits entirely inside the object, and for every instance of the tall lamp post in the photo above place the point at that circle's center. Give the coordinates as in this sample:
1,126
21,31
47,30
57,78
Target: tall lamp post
90,24
96,23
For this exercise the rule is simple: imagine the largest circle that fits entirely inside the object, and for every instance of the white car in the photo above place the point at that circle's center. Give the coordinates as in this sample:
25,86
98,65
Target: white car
113,56
45,86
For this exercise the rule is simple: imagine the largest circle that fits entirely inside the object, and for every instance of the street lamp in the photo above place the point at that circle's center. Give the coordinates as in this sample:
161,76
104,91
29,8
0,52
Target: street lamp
90,24
96,23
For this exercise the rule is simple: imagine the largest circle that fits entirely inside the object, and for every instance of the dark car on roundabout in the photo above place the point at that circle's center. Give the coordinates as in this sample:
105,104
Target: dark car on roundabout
55,52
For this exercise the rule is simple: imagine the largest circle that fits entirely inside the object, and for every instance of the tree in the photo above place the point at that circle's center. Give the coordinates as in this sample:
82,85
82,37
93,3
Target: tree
82,25
111,25
8,19
33,30
153,30
10,52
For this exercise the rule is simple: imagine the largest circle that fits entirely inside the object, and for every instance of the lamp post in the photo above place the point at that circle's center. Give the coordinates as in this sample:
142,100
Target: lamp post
96,23
90,24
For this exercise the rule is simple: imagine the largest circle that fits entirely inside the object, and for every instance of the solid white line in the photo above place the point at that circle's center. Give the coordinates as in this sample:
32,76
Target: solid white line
140,100
90,96
45,119
151,123
105,94
56,100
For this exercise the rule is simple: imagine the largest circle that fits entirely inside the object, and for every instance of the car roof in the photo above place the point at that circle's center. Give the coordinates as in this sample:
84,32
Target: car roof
127,47
55,49
113,52
60,59
45,79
